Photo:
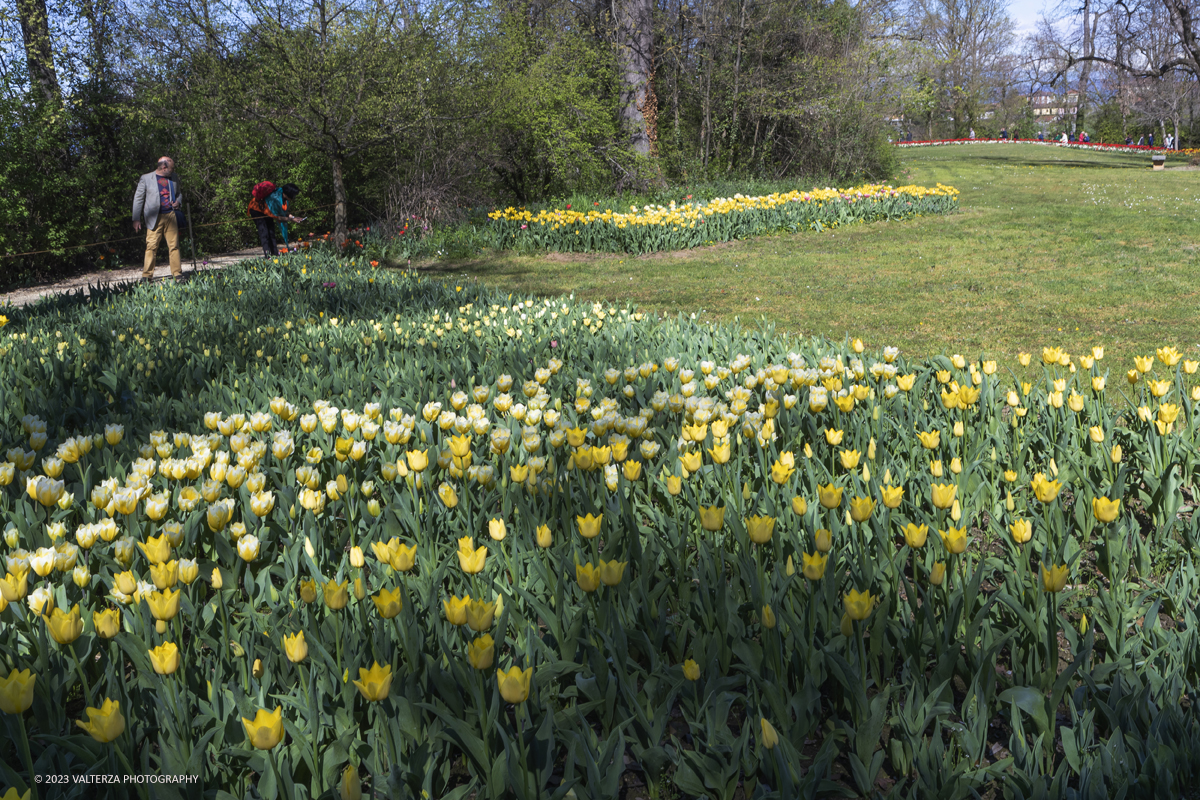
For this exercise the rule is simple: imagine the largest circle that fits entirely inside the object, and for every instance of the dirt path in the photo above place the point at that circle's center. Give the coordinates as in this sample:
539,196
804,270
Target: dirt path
113,277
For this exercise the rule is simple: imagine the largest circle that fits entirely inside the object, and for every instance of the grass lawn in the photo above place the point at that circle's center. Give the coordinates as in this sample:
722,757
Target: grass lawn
1052,246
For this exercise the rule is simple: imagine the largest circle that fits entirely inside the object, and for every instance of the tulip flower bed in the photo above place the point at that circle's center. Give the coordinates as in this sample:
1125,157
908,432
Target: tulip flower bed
311,529
650,229
1102,147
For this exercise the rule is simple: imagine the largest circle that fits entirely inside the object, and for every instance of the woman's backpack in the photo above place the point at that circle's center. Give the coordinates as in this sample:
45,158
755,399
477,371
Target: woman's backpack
262,191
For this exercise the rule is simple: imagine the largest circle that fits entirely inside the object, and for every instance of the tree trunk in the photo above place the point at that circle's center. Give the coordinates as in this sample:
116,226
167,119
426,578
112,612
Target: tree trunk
1090,22
339,198
737,80
39,51
635,59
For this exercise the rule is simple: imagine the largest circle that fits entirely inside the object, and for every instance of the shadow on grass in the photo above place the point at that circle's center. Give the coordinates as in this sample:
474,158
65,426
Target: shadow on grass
1130,164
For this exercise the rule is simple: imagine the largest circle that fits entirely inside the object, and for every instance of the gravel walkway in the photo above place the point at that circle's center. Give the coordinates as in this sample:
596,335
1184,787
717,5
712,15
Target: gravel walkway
31,294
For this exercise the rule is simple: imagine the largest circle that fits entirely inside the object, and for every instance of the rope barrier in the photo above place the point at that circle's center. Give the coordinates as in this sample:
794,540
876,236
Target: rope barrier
141,235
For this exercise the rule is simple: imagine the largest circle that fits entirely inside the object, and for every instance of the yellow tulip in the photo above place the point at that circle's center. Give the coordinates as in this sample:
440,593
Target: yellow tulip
16,691
674,485
497,529
587,576
105,723
690,461
861,508
849,458
480,615
833,437
1021,530
858,604
823,538
447,495
1105,510
470,558
830,496
814,565
418,460
780,473
336,594
611,572
691,670
514,684
799,505
65,626
720,453
768,617
107,622
165,658
403,557
156,548
589,526
954,540
770,737
265,731
544,538
915,535
1045,490
164,605
943,494
387,603
456,609
760,528
481,652
712,518
165,575
1055,578
295,647
892,496
632,469
308,590
930,440
350,786
938,573
375,682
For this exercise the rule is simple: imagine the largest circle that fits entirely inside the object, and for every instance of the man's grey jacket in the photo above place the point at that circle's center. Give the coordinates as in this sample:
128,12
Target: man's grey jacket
145,200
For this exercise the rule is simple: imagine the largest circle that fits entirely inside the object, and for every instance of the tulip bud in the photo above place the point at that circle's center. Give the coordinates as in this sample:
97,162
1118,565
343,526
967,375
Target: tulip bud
350,787
359,590
12,537
373,507
956,511
938,573
356,557
257,669
217,583
1116,454
160,626
847,626
308,548
1009,503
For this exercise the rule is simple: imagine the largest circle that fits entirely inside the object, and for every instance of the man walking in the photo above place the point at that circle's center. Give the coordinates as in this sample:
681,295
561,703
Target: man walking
156,200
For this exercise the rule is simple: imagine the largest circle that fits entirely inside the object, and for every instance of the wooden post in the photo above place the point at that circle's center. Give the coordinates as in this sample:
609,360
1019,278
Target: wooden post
191,238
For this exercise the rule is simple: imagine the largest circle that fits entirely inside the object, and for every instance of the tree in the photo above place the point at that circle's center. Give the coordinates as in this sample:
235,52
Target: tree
970,40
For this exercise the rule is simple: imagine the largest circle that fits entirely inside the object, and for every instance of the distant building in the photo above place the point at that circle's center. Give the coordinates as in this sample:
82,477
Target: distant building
1048,107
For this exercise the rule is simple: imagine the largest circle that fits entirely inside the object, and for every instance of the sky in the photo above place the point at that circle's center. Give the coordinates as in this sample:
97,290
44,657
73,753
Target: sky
1025,14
